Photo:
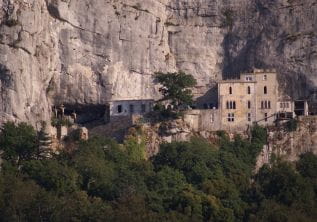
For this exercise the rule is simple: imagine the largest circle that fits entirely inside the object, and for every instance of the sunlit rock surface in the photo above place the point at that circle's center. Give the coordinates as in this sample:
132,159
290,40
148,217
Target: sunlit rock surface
93,51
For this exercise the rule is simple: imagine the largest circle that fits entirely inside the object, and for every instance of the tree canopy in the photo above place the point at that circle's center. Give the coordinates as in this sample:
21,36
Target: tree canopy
102,180
176,87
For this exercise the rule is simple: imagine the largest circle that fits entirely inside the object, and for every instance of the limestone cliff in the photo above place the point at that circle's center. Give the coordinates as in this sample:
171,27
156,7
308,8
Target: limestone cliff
92,51
289,145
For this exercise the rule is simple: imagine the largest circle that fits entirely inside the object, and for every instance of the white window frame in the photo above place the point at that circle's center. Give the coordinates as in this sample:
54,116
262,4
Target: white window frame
230,117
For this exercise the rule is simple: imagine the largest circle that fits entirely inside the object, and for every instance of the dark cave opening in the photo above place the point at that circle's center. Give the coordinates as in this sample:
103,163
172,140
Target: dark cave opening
86,113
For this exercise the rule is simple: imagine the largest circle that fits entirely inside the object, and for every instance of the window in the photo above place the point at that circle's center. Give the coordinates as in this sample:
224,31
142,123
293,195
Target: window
284,105
143,108
265,117
249,90
230,117
265,90
131,108
266,104
230,90
231,104
265,77
249,104
248,78
119,108
249,117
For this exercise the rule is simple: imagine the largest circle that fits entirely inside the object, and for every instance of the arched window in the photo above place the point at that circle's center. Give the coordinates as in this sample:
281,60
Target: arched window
231,104
265,90
249,90
249,104
230,90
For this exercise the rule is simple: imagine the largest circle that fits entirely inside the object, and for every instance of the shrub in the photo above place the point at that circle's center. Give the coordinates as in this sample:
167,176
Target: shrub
259,135
12,22
228,19
18,142
60,122
291,125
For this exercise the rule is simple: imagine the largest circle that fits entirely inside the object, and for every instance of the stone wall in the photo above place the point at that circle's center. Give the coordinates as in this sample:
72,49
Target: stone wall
266,80
203,120
240,97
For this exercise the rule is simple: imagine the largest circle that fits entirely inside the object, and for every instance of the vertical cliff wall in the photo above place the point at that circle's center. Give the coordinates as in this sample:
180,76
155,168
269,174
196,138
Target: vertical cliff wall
289,145
92,51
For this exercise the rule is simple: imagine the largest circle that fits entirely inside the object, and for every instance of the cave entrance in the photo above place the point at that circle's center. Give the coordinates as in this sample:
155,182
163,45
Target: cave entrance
88,113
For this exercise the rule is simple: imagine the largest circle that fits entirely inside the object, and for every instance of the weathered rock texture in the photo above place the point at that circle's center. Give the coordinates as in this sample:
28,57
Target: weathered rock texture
290,145
92,51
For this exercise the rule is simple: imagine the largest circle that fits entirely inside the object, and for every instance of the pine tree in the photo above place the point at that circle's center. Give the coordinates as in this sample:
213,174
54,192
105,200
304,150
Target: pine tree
45,142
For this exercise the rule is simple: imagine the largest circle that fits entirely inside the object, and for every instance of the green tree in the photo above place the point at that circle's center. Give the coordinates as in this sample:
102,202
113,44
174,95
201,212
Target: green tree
45,142
96,170
18,142
307,165
53,175
176,87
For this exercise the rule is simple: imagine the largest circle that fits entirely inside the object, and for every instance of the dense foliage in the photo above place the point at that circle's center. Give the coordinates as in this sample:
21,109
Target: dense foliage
176,87
186,181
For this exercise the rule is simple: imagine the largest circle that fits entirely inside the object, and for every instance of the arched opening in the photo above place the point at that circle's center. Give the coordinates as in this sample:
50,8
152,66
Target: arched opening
230,90
249,90
265,90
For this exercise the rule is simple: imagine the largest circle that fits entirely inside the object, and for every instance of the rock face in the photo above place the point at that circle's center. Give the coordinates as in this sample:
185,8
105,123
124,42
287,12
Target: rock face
92,51
290,145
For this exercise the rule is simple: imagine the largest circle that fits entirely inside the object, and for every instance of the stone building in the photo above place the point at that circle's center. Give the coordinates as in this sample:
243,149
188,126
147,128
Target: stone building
126,108
253,98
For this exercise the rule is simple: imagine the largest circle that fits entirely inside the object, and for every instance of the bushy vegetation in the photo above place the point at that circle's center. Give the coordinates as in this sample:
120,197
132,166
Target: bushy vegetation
187,181
176,88
60,122
176,91
228,18
160,113
291,125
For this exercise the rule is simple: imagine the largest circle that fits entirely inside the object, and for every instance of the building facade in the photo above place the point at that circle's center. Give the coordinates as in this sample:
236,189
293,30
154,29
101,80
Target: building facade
250,99
253,98
121,108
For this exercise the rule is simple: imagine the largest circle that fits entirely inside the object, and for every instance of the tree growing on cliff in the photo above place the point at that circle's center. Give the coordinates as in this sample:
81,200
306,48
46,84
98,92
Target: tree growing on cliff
176,87
18,142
